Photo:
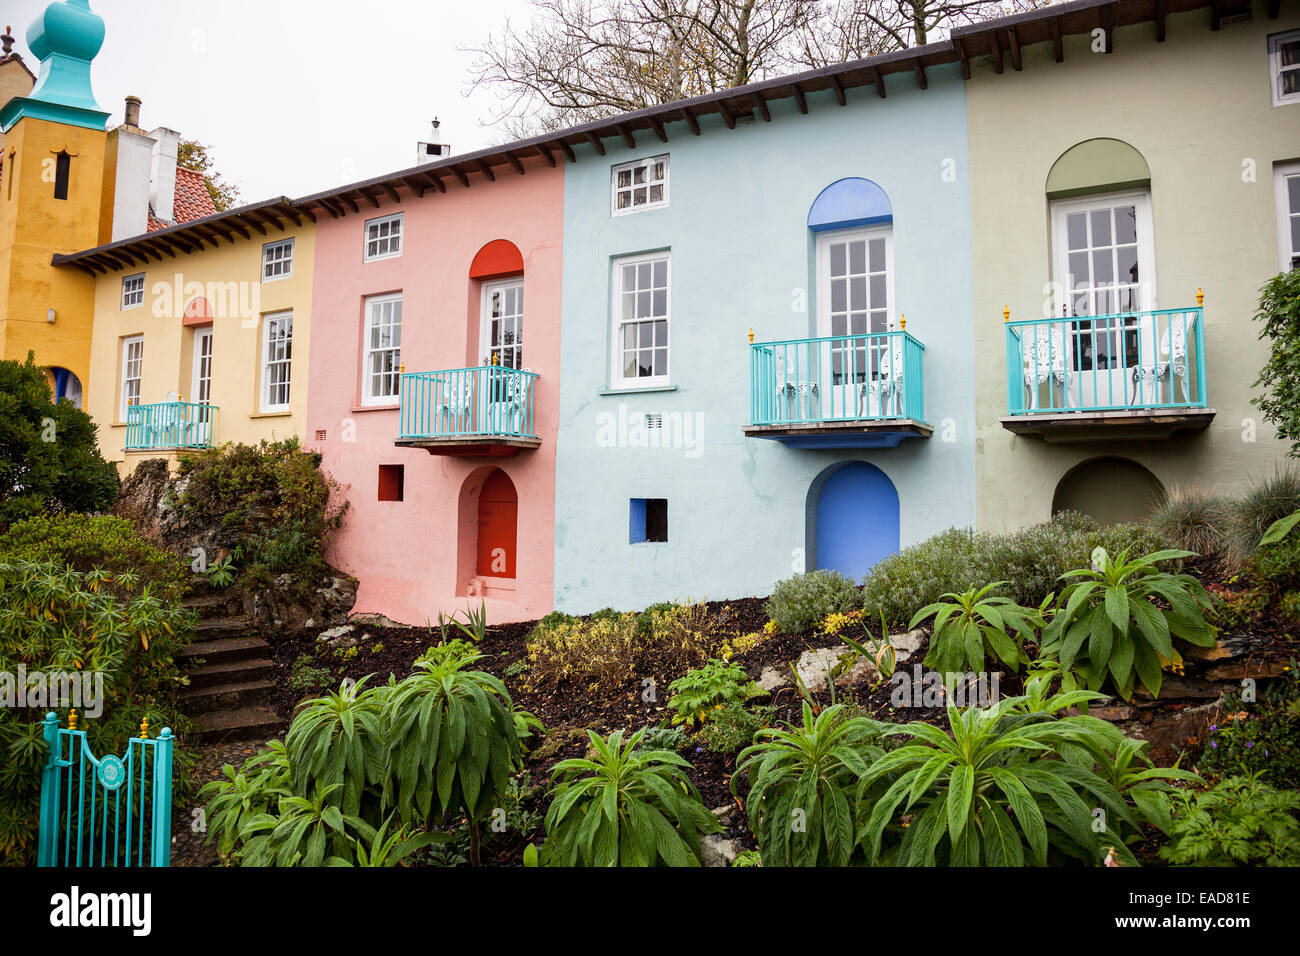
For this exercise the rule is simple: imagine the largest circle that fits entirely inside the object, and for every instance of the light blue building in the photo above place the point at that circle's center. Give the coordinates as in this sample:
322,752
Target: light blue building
692,463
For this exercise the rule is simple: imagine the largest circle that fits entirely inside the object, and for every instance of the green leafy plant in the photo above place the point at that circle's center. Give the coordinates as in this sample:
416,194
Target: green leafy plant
381,848
799,604
252,791
1266,501
624,806
707,688
1193,518
1260,738
1123,763
1240,821
733,727
221,573
337,746
1119,622
306,831
993,790
971,624
1279,318
802,782
304,675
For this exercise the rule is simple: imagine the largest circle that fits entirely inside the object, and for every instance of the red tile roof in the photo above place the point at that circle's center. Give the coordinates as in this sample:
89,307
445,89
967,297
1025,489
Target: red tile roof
191,200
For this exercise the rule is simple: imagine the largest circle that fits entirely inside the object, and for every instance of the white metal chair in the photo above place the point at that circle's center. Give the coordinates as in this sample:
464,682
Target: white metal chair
1170,358
888,384
455,402
1042,349
791,391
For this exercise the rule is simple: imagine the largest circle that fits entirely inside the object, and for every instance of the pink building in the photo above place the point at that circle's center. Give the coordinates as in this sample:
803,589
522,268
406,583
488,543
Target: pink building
435,366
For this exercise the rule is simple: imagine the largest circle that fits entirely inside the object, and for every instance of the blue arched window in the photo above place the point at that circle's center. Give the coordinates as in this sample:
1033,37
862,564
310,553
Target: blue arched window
850,203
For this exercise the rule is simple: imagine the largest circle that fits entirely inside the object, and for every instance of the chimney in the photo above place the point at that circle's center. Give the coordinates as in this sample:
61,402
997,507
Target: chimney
162,173
433,150
128,166
133,112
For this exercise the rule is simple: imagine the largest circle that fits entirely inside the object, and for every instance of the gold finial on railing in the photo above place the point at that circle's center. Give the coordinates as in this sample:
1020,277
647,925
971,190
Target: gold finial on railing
402,368
1006,313
496,359
751,336
902,321
144,728
1200,297
72,720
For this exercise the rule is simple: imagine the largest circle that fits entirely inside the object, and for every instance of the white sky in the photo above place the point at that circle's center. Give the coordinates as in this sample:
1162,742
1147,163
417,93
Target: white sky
295,96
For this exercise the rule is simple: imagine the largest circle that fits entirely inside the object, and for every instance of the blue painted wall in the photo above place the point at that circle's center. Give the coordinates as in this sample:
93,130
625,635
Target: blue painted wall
740,512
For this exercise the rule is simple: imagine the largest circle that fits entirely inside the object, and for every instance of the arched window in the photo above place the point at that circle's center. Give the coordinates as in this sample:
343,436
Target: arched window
499,268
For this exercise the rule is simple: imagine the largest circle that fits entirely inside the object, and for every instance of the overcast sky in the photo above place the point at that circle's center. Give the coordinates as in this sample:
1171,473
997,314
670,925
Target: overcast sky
294,96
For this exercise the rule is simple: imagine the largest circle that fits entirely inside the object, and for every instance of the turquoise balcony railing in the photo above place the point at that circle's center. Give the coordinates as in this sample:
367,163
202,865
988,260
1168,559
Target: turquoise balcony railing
836,379
1153,359
491,401
170,426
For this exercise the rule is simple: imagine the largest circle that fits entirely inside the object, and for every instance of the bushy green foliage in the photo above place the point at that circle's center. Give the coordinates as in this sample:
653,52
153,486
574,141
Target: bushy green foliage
1275,568
701,690
89,542
802,786
1260,738
994,791
1118,623
95,622
800,603
1028,562
49,460
1279,318
305,675
971,624
1266,500
1192,518
624,806
1240,821
733,726
664,738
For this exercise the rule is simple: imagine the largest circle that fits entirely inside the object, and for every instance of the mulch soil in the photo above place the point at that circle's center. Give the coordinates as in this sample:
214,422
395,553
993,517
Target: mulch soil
570,709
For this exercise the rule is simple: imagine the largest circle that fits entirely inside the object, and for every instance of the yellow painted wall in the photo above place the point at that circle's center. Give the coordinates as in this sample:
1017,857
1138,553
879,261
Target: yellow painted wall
1198,108
33,226
229,277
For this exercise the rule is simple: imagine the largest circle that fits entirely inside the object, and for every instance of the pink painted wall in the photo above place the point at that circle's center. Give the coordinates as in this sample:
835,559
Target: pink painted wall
405,553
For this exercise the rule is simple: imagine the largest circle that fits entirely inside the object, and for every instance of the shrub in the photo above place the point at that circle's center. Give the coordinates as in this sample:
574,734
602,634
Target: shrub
92,622
1192,518
49,460
90,542
1109,625
706,688
625,806
1266,500
304,675
921,574
1279,314
663,738
993,791
1260,739
800,603
733,726
1276,567
971,624
810,771
1240,821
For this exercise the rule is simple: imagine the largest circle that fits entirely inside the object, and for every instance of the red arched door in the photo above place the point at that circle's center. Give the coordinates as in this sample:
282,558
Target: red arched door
498,520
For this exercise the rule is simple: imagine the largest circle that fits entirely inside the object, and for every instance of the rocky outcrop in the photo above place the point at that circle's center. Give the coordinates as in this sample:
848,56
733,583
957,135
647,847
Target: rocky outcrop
288,608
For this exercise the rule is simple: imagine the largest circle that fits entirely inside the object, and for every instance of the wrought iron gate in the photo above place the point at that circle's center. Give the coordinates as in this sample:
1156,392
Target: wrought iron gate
105,811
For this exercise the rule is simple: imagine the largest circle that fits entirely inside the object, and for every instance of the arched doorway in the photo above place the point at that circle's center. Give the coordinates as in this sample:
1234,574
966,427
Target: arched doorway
66,385
498,526
857,518
1112,490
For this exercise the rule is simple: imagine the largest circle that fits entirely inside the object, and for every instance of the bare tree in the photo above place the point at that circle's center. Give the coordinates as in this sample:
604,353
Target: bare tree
579,60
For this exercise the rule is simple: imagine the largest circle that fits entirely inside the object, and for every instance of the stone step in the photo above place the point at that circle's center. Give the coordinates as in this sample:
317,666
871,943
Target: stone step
245,723
213,603
231,696
232,626
232,672
224,649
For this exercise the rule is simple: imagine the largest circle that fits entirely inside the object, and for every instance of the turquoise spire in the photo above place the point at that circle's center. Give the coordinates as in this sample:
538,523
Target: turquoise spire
65,38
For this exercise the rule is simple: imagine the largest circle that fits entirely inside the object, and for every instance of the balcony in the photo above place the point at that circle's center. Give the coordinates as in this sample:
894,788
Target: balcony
847,391
469,412
1130,375
170,426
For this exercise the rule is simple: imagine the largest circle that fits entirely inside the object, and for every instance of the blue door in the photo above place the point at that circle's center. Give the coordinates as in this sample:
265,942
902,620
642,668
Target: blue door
857,520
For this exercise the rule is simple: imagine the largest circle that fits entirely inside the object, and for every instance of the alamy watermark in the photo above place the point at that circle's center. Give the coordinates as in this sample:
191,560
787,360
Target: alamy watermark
83,690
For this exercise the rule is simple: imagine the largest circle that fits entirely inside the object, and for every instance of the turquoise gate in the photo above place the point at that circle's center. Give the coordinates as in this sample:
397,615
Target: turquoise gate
84,819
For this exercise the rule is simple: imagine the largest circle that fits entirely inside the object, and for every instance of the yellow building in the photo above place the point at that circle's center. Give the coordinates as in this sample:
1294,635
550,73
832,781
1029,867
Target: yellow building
200,332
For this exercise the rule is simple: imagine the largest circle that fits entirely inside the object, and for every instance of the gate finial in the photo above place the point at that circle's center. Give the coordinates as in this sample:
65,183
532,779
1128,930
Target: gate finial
144,729
72,720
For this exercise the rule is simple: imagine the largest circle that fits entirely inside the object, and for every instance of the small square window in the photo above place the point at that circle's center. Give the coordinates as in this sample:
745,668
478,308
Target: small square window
1284,67
391,481
648,520
640,185
133,291
277,260
384,237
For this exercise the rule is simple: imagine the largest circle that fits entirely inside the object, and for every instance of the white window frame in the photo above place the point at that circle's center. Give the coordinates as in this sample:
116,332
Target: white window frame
284,260
394,237
853,356
265,405
131,293
1060,210
1275,67
1285,250
125,398
616,377
368,396
198,378
485,318
631,167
